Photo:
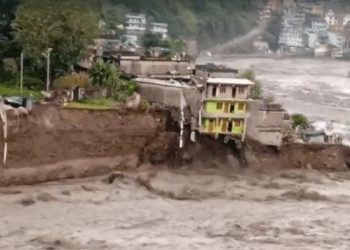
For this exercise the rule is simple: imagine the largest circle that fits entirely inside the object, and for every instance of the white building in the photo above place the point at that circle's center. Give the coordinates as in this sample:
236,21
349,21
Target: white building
346,20
336,41
136,24
291,39
331,18
319,26
159,28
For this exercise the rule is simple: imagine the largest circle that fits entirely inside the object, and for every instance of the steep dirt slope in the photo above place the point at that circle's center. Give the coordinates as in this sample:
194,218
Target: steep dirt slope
50,135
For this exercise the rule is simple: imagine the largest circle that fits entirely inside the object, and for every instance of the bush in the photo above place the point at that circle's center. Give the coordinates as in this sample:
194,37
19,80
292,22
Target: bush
129,87
299,120
30,83
104,74
72,81
256,91
249,74
15,91
5,75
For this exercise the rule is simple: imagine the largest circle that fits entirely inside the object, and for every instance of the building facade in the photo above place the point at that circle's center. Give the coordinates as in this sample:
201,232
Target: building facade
137,25
159,28
224,106
267,123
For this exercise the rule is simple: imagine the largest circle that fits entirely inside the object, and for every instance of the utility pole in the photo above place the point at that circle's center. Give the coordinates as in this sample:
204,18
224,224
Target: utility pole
47,55
21,77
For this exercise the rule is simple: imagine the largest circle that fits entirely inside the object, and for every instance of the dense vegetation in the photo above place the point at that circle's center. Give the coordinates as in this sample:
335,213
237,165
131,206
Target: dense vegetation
67,27
207,21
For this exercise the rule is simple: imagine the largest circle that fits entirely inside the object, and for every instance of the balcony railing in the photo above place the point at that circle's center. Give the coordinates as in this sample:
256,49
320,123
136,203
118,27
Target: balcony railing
219,114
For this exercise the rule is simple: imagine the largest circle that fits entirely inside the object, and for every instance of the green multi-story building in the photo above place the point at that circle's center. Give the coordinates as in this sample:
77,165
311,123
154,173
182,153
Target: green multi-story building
224,107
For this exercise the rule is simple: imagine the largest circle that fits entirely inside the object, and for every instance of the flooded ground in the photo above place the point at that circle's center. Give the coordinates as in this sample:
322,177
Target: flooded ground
318,88
285,210
187,209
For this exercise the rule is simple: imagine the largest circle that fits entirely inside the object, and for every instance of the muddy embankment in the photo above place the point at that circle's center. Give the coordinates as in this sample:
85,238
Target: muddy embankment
53,144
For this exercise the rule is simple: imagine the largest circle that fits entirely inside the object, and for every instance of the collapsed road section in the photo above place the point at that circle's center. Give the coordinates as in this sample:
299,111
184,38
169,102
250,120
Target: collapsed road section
53,143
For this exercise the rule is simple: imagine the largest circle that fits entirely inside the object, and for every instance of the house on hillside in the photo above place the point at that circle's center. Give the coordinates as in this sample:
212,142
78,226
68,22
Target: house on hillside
333,20
224,106
159,28
135,26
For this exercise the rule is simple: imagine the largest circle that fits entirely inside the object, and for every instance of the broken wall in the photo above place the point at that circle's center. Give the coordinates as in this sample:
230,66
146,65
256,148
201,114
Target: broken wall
265,126
140,67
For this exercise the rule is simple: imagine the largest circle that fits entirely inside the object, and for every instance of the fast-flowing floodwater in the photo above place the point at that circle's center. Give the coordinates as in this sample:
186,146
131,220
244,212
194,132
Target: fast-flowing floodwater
318,88
302,210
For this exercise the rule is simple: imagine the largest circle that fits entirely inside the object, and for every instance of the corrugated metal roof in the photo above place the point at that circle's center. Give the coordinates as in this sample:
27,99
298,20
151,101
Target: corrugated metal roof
231,81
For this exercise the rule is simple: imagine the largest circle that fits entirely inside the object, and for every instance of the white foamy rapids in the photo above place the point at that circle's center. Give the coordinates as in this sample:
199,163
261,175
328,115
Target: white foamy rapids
337,128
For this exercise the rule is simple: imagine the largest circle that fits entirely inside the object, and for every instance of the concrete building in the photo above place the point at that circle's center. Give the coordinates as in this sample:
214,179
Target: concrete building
224,105
291,37
159,28
135,26
136,23
291,40
336,42
346,20
213,71
267,123
154,67
332,20
318,26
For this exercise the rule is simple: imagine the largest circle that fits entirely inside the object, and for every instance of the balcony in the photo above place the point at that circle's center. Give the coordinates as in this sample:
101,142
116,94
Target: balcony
206,114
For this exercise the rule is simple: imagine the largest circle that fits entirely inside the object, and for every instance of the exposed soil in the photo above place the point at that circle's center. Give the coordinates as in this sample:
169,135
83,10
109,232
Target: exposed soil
55,144
50,135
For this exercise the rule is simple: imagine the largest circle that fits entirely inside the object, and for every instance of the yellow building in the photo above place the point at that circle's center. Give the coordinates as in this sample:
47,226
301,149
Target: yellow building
224,105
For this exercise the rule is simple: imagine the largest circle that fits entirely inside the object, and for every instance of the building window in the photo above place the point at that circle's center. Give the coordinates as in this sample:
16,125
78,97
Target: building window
241,106
241,89
233,92
219,106
232,108
222,89
237,123
214,91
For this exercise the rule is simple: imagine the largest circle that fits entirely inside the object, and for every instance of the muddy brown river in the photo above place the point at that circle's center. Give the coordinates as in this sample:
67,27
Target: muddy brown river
181,210
187,209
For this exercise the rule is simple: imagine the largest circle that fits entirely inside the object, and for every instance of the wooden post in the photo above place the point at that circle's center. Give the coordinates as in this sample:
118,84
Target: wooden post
182,107
3,116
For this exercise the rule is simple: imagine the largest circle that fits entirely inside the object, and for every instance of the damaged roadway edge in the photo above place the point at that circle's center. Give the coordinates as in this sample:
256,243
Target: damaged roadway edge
54,144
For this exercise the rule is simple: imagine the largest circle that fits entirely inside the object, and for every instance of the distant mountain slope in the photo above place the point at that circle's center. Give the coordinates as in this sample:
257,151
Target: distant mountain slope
208,21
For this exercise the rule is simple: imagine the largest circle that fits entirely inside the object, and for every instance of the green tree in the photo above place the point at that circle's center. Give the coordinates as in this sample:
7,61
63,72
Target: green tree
104,74
256,90
65,26
113,17
8,47
299,120
150,40
72,80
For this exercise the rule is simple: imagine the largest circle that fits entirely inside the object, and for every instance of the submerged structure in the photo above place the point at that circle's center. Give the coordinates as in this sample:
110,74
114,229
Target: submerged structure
224,108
